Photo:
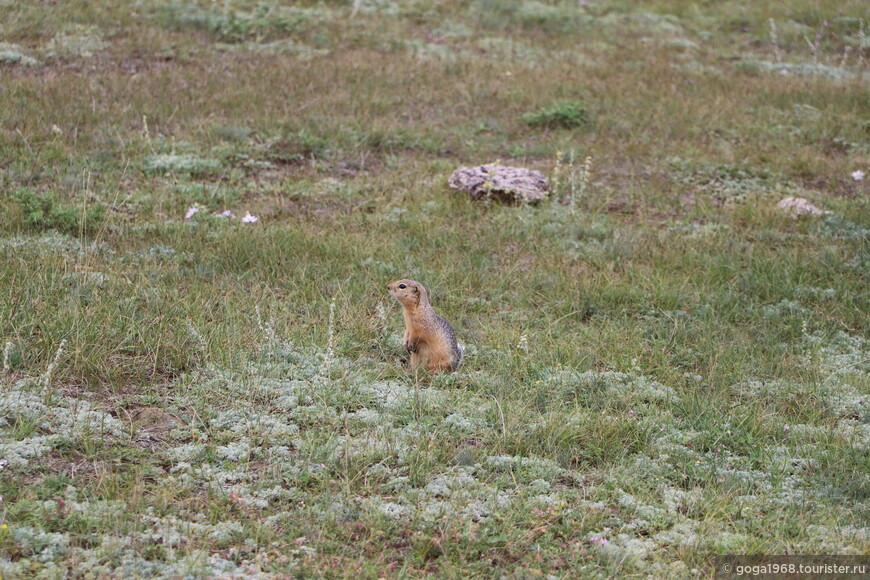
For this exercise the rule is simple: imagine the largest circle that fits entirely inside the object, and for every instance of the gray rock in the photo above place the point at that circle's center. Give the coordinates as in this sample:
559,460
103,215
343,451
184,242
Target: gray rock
501,183
798,206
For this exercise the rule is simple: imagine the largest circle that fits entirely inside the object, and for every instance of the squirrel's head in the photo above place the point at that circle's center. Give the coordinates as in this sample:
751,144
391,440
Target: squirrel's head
408,292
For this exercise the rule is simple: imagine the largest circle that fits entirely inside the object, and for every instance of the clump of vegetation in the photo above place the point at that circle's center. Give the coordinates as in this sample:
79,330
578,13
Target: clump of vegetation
45,212
77,41
10,54
228,24
564,114
189,164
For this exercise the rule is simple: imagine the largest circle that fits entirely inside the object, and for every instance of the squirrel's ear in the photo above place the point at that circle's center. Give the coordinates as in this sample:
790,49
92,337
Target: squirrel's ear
415,289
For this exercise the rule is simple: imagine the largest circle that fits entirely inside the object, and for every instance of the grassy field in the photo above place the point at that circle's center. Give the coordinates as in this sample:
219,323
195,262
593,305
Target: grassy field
201,205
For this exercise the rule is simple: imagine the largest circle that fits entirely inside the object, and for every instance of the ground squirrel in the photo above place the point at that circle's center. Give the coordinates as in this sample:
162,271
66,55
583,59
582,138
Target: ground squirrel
428,337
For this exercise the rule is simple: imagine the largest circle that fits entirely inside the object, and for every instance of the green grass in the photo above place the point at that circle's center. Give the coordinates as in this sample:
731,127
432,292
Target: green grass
660,368
565,114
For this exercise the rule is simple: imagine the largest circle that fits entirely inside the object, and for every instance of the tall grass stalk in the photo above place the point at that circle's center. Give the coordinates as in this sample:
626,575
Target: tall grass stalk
45,378
329,357
774,40
578,188
7,350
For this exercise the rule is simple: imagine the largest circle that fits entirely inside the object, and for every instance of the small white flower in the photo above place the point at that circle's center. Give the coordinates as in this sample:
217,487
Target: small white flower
787,427
249,219
858,175
190,212
226,214
524,343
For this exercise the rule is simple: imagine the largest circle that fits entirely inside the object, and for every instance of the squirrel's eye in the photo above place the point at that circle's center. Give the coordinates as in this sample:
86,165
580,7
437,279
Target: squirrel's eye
402,286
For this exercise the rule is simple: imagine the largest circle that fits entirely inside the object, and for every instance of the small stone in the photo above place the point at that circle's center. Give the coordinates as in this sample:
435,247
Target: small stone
501,183
798,206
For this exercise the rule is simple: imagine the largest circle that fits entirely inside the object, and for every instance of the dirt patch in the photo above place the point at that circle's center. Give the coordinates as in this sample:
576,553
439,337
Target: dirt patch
79,467
151,425
622,206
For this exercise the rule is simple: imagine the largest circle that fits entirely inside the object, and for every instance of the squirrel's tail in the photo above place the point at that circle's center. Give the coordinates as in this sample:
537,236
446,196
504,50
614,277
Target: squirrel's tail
460,353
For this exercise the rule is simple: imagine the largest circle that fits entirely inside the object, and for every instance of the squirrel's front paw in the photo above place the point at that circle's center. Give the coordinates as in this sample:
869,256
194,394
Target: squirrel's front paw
410,345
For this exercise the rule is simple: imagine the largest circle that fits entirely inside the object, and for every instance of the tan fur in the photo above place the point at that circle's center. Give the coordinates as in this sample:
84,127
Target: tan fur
428,337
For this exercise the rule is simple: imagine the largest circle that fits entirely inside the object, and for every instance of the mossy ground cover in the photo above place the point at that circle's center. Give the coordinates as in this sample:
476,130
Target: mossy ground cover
201,205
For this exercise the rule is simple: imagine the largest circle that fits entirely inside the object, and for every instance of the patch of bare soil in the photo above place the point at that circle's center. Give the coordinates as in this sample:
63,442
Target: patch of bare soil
151,425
